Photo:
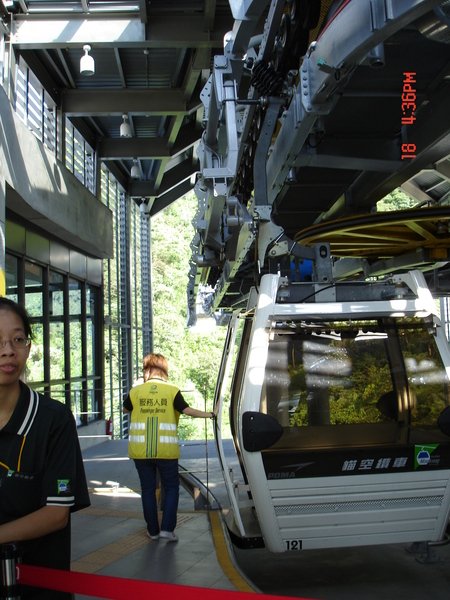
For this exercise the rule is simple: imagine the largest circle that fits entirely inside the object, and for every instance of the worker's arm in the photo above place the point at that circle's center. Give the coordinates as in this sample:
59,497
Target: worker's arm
41,522
193,412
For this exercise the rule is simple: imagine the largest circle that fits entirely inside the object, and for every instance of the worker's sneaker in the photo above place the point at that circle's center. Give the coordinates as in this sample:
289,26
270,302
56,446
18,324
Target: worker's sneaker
153,537
168,536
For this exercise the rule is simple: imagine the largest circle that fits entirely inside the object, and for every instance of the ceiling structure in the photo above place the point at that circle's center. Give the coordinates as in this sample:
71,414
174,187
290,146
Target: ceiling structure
152,59
330,124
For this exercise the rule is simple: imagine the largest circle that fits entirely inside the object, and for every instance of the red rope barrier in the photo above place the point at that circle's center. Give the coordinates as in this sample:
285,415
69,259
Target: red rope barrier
118,588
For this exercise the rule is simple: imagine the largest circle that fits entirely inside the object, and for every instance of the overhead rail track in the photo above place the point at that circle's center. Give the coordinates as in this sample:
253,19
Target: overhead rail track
314,112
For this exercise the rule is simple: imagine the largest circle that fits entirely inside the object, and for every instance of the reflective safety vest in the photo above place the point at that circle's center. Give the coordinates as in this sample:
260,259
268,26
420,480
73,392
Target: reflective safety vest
154,421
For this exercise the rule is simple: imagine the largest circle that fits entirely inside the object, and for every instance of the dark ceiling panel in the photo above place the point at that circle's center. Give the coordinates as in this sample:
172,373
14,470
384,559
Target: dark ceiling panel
155,81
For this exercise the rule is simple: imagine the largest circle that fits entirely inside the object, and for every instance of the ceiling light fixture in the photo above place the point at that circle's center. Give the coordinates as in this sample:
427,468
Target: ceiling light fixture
125,128
135,170
87,64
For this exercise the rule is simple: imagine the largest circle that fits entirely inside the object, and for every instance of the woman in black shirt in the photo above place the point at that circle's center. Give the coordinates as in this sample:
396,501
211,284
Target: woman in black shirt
42,478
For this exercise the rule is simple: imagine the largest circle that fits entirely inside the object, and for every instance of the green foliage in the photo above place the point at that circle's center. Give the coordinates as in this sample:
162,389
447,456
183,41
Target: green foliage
354,400
205,353
193,359
396,200
171,235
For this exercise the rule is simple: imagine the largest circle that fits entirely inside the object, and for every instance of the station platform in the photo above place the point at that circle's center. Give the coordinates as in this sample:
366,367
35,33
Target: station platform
109,538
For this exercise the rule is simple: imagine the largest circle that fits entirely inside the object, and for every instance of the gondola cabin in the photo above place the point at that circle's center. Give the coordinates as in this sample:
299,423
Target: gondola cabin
338,398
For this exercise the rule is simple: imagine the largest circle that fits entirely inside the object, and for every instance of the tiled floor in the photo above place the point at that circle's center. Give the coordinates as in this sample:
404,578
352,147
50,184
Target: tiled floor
109,538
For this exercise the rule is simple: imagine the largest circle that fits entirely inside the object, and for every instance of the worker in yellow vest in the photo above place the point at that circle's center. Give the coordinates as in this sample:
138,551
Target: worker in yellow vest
155,407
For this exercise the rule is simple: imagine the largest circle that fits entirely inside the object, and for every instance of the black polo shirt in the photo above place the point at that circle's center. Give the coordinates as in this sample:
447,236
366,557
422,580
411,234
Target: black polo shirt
41,465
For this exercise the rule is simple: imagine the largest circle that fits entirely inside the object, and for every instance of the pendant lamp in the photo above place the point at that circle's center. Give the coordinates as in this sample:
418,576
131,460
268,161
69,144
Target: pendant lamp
87,64
135,171
125,128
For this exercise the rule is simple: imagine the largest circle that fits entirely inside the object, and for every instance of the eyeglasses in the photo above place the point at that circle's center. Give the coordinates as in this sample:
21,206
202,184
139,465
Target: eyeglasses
18,343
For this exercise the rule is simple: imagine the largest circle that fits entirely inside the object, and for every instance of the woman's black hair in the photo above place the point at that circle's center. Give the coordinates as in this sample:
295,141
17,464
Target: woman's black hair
19,310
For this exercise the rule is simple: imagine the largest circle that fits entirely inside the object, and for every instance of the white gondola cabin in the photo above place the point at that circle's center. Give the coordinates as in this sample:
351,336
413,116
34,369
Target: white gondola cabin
339,408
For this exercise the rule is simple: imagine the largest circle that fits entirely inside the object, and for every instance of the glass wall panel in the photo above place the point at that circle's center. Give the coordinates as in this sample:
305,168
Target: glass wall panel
35,363
117,304
90,331
92,413
34,303
57,350
34,299
77,403
12,276
76,364
58,392
56,294
57,329
74,297
64,354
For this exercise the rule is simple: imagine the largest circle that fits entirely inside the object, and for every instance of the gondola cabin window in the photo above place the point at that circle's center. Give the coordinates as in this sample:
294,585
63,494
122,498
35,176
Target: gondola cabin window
361,382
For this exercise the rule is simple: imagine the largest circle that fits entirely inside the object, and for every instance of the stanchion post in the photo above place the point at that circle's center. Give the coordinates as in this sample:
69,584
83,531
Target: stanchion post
9,557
